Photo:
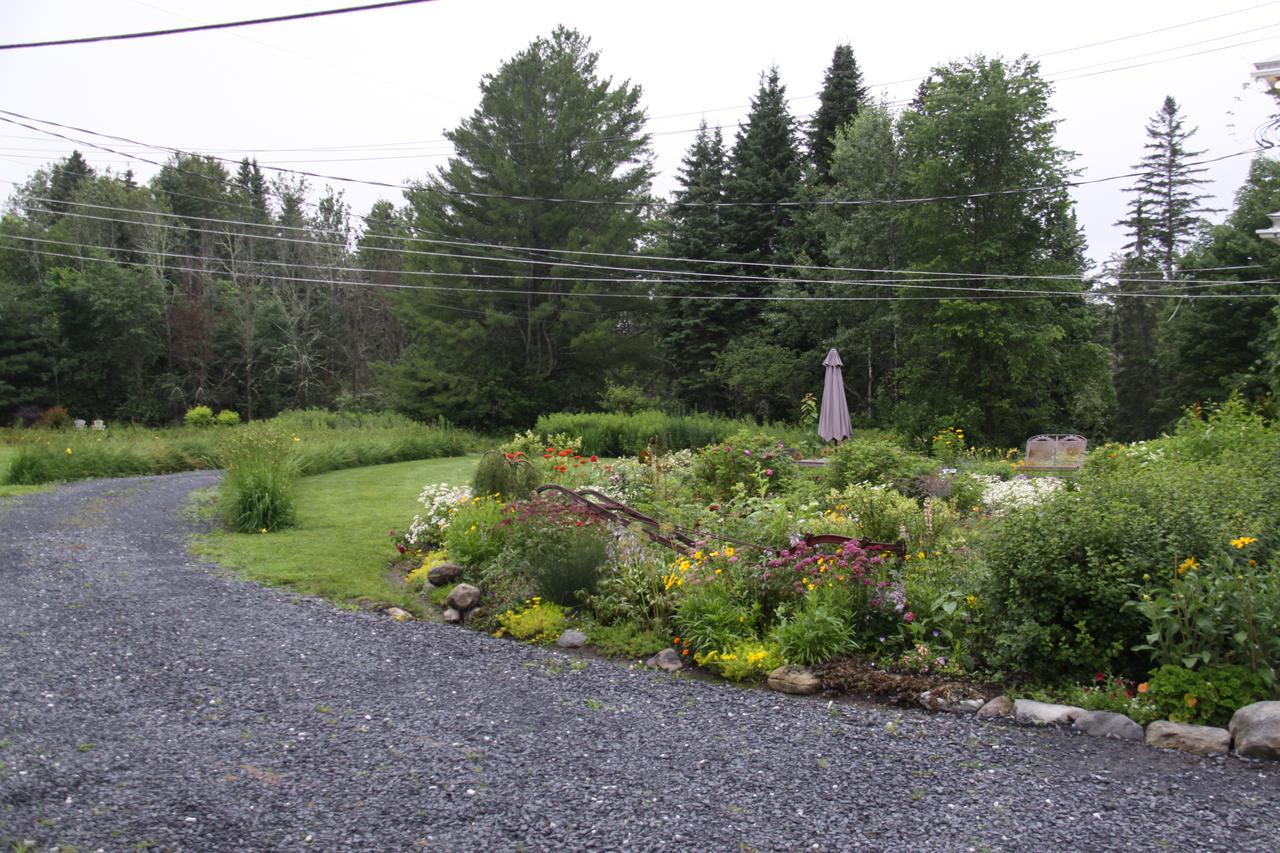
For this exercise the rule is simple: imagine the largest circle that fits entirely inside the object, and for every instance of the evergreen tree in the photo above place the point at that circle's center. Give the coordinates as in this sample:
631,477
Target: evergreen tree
1002,368
1134,348
691,332
764,170
548,127
1163,214
842,96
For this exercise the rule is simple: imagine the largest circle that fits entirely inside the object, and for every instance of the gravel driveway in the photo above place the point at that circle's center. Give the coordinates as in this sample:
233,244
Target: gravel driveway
148,700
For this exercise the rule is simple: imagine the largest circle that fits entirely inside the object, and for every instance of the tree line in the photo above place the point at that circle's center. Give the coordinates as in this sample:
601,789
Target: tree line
935,246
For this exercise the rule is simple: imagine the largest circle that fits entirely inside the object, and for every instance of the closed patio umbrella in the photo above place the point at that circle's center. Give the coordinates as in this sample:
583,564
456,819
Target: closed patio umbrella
833,422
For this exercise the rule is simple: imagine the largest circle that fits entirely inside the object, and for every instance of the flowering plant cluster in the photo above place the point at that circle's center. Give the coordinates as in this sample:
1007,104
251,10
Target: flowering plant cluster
743,464
809,567
701,566
948,444
1000,497
440,503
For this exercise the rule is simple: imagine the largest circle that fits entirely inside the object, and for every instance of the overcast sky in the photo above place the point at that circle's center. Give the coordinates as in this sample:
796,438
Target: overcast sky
368,95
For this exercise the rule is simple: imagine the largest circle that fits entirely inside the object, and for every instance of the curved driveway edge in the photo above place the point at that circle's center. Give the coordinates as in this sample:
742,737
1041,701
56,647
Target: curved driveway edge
147,700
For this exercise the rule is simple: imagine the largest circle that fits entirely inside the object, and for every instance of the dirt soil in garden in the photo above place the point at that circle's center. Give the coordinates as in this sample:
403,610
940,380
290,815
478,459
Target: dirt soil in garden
151,700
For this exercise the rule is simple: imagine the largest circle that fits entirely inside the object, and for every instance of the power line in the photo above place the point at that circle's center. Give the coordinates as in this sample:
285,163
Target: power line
651,202
222,26
920,279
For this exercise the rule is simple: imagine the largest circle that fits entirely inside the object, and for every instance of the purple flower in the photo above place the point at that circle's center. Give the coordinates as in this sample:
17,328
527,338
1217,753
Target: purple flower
746,452
768,472
937,633
909,616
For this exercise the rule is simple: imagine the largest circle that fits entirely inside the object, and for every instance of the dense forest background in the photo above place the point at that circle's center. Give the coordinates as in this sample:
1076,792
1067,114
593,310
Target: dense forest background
935,246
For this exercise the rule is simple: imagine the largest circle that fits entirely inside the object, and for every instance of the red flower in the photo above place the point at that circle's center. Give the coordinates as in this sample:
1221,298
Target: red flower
547,455
509,455
1097,676
595,458
566,452
551,450
400,548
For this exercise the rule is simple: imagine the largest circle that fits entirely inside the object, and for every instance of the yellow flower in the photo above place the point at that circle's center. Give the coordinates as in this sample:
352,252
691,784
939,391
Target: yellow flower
685,565
263,530
921,555
68,451
728,552
1187,565
1238,542
971,600
697,555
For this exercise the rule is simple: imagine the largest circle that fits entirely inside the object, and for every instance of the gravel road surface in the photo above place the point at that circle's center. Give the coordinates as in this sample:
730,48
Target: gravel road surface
148,701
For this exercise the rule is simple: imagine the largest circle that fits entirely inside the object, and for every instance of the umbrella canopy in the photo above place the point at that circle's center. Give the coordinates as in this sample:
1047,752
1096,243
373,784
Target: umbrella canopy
833,422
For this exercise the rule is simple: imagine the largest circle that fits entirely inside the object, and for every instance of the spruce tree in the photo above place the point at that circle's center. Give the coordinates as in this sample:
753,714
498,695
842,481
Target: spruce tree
692,331
842,97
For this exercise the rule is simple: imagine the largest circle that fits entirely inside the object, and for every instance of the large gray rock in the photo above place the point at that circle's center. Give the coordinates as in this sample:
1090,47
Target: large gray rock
666,660
1198,740
795,680
1028,711
463,597
572,639
445,573
1001,706
1108,724
1256,730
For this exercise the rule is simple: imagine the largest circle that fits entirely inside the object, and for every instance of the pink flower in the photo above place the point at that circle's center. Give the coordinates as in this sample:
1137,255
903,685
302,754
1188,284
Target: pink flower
768,472
400,548
746,453
909,616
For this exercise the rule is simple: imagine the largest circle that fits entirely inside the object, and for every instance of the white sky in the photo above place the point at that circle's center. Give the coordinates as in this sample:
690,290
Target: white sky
377,88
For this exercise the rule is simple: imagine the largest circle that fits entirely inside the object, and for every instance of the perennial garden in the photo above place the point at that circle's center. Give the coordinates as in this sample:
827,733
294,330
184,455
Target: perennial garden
1147,583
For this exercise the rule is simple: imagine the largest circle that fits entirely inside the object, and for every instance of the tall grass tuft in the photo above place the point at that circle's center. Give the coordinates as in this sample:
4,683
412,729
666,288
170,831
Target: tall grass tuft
612,434
257,491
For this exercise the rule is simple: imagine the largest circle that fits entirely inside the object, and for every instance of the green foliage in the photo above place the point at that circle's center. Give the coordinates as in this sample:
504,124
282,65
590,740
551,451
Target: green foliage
228,417
198,416
875,459
537,622
627,400
746,463
746,660
881,514
565,564
842,96
610,434
815,633
505,475
1062,570
1206,696
257,490
626,640
476,535
55,417
551,349
708,618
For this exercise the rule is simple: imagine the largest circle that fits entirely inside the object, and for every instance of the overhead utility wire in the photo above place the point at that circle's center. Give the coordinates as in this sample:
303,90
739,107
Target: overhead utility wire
595,202
694,297
897,285
698,277
221,26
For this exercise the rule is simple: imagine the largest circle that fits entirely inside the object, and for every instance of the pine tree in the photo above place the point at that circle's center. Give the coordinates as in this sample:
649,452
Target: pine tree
842,97
764,170
691,332
1164,213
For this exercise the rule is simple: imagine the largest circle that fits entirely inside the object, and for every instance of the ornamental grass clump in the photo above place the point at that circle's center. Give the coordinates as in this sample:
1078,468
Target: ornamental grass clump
257,490
814,633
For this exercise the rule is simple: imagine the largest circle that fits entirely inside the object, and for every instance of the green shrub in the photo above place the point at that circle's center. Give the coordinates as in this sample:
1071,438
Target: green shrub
627,400
257,489
1061,570
746,463
506,475
565,566
537,622
55,417
709,619
228,417
814,634
876,459
616,434
1206,696
198,416
476,535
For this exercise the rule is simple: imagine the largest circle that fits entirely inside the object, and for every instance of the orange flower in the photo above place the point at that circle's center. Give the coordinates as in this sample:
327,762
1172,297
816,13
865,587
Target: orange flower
1190,700
566,452
1142,688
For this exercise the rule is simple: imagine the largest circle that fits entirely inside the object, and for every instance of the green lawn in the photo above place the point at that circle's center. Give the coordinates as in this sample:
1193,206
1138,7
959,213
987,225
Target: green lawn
340,548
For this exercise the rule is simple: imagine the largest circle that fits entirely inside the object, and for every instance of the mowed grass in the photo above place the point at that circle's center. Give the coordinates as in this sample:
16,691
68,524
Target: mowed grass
340,549
6,456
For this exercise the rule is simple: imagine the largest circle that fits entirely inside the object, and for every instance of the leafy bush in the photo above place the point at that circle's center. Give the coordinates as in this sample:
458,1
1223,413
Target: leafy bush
1205,696
55,417
814,634
257,491
537,622
565,567
709,619
1062,570
506,475
627,400
747,463
228,417
440,503
198,416
876,459
476,536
